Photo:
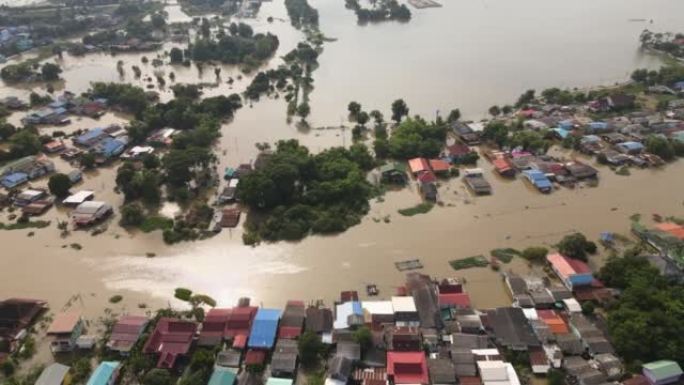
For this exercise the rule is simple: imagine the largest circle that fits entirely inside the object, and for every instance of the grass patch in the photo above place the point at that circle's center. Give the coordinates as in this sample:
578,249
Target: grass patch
421,208
156,223
505,255
24,225
624,171
467,263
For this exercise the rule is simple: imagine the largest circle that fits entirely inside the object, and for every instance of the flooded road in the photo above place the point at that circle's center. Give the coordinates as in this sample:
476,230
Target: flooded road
467,54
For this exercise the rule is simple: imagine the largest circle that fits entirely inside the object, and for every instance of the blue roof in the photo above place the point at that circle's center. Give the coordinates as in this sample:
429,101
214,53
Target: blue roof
538,178
563,133
111,147
631,145
14,179
598,125
679,84
222,376
264,328
103,373
566,124
90,135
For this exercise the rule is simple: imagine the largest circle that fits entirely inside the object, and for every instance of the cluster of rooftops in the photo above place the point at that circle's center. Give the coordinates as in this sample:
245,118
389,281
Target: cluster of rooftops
427,333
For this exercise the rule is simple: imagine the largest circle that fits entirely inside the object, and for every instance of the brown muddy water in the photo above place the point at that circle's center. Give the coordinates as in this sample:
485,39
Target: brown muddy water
468,54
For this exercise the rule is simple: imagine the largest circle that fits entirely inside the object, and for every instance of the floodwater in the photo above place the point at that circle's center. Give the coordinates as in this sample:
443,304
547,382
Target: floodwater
467,54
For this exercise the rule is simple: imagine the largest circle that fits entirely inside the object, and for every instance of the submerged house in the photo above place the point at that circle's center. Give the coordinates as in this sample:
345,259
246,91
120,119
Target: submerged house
392,173
170,340
284,360
54,374
511,329
126,332
105,374
292,321
16,315
320,321
90,212
539,180
572,272
64,330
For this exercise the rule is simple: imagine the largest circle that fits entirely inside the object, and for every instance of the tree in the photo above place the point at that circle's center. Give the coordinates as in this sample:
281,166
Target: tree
525,98
50,72
363,337
362,118
535,254
377,116
157,377
87,160
399,110
417,138
494,111
59,185
660,146
496,132
588,308
176,55
529,141
454,115
303,110
310,347
132,215
354,108
24,143
507,109
80,370
158,20
576,246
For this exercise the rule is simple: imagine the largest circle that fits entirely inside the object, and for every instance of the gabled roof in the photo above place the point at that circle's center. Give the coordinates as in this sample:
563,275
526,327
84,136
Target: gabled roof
264,328
418,164
319,320
126,331
102,375
292,321
64,323
170,339
511,327
53,375
567,267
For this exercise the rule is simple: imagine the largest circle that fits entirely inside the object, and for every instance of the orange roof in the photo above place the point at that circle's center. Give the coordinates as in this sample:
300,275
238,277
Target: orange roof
672,228
554,321
418,164
439,165
64,323
501,164
566,266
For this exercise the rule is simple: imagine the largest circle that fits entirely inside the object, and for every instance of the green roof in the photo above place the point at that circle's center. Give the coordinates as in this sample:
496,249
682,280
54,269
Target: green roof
392,166
278,381
222,376
664,369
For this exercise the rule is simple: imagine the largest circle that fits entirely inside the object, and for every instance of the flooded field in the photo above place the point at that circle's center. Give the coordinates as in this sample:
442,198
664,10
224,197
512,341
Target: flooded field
488,52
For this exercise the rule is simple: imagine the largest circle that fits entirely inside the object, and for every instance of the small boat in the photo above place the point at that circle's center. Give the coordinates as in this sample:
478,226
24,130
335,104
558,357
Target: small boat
372,290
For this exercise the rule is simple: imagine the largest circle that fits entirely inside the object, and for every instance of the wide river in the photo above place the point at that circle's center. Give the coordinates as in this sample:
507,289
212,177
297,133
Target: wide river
468,54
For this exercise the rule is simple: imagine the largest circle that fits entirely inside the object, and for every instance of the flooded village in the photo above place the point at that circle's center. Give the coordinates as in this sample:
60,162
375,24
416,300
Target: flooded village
162,227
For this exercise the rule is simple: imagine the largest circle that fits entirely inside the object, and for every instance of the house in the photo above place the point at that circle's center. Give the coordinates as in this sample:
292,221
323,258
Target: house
370,376
450,294
91,137
90,212
228,193
392,173
466,134
590,144
110,147
292,321
459,153
54,374
539,180
16,316
580,170
320,321
560,133
403,339
425,298
138,152
464,361
239,323
439,166
222,376
407,368
339,370
79,197
554,321
630,148
538,361
46,115
32,166
349,349
418,165
378,313
610,365
213,327
511,329
503,167
105,374
264,329
284,359
497,373
29,196
662,372
405,312
428,190
13,180
442,371
613,158
64,330
572,272
126,332
229,359
170,340
474,179
54,146
161,137
348,314
621,101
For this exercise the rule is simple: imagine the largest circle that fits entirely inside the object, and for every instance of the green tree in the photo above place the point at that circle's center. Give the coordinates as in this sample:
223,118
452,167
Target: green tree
354,108
454,115
310,347
132,215
87,160
524,99
25,142
529,140
157,377
50,72
535,254
576,246
362,118
660,146
59,185
399,110
588,308
416,137
80,370
363,337
494,111
496,132
303,110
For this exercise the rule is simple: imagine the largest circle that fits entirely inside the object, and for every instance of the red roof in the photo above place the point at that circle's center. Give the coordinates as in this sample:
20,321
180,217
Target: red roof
554,321
418,164
407,367
469,380
170,339
350,295
239,321
501,165
454,299
289,332
255,357
458,149
426,177
240,341
672,228
126,332
438,165
567,266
